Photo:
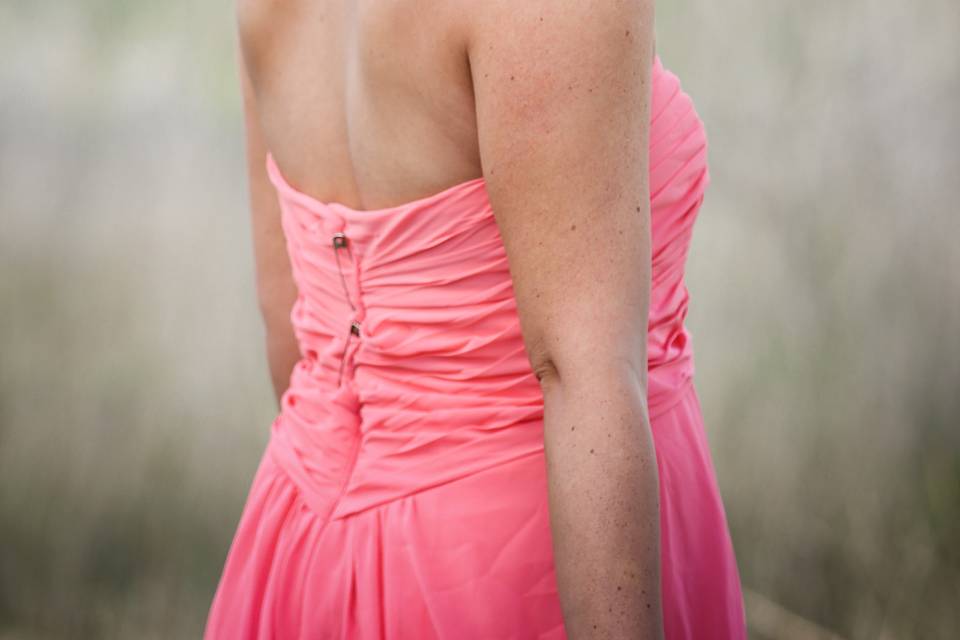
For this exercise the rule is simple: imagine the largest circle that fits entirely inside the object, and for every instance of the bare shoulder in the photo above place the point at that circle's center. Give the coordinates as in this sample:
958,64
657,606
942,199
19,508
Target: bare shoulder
542,65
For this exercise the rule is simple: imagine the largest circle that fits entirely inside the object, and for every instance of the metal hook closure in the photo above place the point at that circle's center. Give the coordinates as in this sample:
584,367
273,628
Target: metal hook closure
340,242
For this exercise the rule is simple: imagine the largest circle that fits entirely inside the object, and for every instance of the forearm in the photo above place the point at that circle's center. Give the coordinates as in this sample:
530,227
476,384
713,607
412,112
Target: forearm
604,504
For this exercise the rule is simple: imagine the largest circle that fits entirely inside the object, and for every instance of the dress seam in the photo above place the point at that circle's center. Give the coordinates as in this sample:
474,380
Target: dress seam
393,499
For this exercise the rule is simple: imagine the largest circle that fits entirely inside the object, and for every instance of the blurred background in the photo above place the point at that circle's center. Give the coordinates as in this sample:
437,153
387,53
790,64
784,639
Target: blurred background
825,311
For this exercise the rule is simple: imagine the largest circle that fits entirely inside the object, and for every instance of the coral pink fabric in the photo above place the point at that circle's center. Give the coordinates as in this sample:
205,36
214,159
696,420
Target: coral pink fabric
403,492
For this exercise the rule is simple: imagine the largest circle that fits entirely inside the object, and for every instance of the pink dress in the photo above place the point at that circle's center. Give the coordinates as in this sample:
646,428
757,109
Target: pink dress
403,492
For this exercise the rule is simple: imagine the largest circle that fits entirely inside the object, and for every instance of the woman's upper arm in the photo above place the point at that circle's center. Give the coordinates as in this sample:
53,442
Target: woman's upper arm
562,102
275,286
274,280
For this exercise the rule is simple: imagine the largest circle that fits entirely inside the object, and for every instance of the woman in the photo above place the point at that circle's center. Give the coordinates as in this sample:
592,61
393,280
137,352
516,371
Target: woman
462,213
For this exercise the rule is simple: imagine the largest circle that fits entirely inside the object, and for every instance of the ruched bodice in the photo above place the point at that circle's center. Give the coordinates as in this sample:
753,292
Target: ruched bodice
413,368
403,492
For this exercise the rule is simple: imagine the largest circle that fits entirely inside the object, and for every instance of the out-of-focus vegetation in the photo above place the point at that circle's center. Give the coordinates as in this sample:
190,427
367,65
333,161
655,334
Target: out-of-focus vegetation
824,274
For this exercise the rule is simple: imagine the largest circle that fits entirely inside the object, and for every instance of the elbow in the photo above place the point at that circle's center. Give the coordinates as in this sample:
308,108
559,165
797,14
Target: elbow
615,370
546,372
545,361
575,359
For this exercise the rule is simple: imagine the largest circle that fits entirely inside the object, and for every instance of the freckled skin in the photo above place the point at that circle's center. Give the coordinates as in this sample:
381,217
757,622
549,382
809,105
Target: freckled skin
548,100
565,122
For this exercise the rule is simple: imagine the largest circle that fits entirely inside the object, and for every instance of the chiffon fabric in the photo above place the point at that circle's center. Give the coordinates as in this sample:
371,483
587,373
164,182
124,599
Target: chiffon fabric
403,494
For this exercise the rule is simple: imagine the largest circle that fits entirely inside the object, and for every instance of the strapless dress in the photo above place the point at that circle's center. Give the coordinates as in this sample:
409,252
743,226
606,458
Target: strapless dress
403,494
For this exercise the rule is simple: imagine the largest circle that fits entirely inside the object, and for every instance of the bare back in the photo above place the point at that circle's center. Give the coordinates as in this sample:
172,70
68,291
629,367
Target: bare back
365,103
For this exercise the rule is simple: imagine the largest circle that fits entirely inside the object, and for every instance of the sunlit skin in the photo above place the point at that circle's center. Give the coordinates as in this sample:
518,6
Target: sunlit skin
549,102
